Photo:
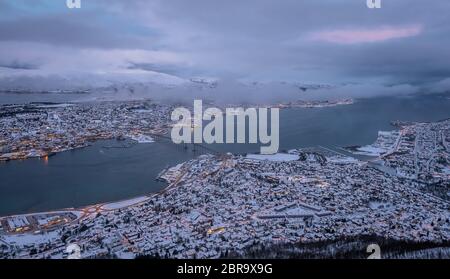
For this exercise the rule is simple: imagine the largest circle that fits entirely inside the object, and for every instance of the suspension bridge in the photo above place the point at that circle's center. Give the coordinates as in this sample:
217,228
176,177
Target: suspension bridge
195,147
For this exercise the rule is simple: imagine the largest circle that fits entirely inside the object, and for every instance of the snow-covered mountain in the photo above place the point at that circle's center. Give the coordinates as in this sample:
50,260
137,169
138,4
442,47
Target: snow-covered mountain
37,81
129,84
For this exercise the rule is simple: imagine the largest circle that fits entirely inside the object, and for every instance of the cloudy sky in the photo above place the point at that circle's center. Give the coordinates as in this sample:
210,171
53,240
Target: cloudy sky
331,41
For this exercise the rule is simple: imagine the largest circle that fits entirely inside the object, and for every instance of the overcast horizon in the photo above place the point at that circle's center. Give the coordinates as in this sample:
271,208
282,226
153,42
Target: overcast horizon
405,43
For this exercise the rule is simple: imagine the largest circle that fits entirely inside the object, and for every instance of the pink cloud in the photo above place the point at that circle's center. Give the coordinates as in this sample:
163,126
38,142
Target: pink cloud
357,36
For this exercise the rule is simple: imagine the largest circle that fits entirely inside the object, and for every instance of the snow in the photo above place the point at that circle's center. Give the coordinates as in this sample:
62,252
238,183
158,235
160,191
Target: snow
142,110
76,213
44,221
125,255
379,205
194,215
384,143
30,239
370,151
36,80
298,211
122,204
62,105
142,138
17,222
343,160
53,213
279,157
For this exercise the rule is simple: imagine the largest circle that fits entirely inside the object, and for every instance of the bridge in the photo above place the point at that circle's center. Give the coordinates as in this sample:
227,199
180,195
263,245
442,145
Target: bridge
195,147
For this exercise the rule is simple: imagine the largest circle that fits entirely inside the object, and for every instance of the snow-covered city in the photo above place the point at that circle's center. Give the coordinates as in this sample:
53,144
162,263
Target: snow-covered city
227,205
224,138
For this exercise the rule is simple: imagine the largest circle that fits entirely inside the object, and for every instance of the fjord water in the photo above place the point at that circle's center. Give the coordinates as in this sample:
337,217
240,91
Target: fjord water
98,174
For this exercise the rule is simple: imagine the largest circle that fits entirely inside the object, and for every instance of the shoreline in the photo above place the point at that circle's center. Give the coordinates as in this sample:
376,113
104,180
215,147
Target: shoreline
20,155
347,209
85,212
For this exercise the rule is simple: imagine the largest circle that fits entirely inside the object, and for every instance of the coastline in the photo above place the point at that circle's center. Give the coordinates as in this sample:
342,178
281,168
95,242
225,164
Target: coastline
415,229
86,211
140,138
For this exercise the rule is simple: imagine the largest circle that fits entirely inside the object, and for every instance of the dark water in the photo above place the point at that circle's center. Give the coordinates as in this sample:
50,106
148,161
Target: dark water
348,125
97,174
85,176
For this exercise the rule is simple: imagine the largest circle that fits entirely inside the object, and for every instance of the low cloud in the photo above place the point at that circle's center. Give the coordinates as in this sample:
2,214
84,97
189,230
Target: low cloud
442,86
358,36
307,41
237,93
17,65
